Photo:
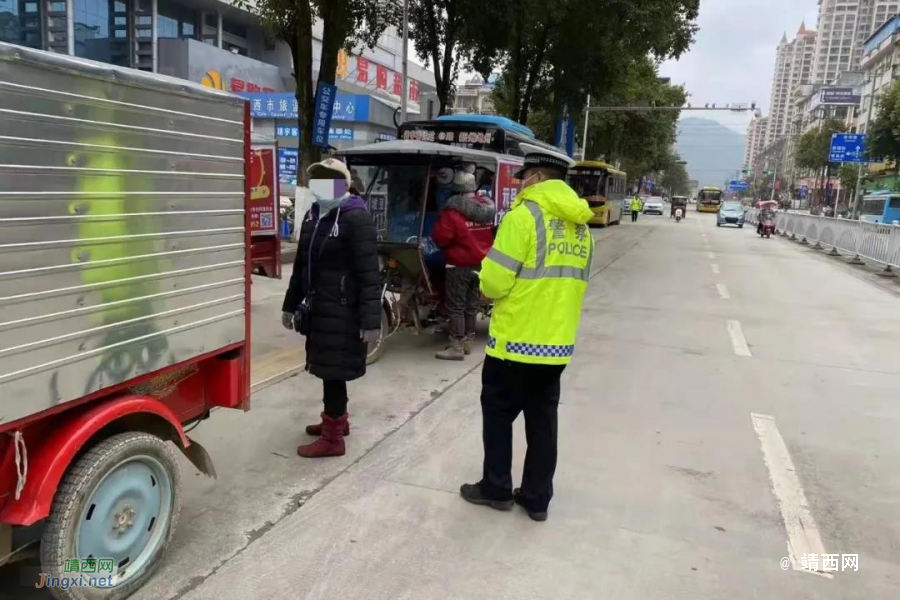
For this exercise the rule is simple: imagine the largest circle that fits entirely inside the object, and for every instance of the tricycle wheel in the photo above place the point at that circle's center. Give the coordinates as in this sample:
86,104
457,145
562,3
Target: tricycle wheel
120,500
377,349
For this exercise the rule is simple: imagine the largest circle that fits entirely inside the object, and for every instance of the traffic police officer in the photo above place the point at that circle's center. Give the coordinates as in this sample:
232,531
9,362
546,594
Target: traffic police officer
536,273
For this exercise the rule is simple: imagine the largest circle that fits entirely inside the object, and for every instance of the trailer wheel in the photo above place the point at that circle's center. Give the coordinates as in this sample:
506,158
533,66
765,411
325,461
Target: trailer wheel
120,500
377,349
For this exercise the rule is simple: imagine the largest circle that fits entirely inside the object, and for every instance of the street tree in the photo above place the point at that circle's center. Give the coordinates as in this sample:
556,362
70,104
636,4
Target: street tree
553,58
675,176
884,131
347,24
443,33
813,150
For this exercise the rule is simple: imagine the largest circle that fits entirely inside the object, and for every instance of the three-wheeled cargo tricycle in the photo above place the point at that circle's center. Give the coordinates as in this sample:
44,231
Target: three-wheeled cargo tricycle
405,184
678,202
124,306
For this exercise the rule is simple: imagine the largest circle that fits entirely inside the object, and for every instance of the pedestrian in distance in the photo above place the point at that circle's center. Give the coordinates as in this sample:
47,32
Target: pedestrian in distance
334,297
463,232
636,207
536,273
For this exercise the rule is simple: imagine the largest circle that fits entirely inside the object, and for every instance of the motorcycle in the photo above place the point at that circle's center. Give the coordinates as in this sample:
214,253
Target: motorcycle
766,228
678,215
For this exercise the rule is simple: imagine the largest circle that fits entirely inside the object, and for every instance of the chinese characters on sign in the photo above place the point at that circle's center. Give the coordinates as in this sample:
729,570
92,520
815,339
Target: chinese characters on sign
287,162
381,77
335,133
506,187
848,147
263,192
458,138
362,70
347,107
325,93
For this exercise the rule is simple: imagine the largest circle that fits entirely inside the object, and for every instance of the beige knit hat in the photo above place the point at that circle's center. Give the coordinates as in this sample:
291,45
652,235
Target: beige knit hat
330,168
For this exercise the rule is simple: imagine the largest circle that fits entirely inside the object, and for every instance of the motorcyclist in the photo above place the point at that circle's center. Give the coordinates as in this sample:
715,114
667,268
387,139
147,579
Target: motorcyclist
766,214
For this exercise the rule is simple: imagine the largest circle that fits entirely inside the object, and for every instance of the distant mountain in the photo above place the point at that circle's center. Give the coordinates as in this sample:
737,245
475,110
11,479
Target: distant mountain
713,151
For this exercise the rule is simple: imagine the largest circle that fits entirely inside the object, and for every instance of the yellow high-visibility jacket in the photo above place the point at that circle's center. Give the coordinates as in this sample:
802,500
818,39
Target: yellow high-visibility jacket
537,274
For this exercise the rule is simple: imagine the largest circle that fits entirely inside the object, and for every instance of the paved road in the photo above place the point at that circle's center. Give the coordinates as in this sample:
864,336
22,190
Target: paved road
730,396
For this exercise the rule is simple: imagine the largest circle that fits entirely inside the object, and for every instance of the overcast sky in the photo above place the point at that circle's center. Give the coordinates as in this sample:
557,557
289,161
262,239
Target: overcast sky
733,55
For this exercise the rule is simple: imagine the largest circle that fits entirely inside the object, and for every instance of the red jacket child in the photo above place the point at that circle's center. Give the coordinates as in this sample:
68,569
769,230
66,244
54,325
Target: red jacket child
463,230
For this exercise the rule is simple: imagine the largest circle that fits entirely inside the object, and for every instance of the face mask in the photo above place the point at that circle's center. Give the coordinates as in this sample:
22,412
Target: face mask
325,190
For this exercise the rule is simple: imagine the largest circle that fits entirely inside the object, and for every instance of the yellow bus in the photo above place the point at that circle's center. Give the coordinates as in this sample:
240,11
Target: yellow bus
603,187
708,199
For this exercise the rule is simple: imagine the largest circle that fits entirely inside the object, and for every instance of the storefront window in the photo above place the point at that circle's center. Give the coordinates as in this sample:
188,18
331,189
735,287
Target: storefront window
20,23
101,31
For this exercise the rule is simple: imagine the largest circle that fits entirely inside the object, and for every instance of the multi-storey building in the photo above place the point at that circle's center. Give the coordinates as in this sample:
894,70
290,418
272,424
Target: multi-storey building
793,67
881,67
843,27
756,141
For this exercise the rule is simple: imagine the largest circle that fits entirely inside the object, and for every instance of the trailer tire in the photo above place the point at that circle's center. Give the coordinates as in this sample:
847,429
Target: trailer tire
142,464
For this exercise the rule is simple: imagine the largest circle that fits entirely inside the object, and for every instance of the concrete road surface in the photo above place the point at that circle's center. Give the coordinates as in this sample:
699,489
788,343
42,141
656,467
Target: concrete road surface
731,410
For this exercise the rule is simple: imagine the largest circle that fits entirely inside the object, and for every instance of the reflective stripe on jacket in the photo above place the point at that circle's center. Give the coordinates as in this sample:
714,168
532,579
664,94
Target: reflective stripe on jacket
537,274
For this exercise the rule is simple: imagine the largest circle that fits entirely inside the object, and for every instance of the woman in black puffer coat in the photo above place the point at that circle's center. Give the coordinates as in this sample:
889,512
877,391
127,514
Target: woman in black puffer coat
336,276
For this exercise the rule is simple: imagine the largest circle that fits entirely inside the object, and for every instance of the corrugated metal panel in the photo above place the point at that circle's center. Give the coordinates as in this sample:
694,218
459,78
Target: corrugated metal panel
121,226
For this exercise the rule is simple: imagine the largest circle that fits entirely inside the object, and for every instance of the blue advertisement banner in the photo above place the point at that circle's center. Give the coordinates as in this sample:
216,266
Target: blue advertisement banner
325,93
283,105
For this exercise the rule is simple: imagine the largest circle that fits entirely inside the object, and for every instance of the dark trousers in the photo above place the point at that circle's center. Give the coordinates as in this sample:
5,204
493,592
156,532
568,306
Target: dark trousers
463,297
334,394
634,215
508,388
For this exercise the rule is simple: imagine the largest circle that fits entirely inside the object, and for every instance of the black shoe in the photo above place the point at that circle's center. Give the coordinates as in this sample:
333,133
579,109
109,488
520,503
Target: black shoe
471,492
536,515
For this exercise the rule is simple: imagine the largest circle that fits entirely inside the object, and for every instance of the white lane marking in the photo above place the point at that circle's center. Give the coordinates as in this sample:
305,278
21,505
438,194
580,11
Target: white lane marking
711,255
802,531
723,291
738,341
715,269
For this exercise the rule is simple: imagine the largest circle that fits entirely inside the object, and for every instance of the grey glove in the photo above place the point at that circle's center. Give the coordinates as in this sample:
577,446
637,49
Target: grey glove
287,320
370,336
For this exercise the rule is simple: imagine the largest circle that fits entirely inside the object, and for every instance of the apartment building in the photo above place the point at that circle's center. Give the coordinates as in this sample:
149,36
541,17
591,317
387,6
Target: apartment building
756,141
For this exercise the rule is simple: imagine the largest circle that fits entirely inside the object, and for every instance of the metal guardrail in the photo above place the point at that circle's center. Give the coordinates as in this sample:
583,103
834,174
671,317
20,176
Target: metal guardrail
875,242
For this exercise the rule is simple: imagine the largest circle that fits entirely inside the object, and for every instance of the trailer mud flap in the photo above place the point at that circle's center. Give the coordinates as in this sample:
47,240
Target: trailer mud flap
200,458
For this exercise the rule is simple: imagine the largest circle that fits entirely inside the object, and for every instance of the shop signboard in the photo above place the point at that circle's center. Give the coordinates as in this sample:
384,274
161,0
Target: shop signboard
335,133
263,192
346,107
506,186
840,96
287,162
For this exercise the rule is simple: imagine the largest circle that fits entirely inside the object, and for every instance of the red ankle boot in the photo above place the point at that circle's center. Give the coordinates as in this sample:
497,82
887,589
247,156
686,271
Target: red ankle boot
331,442
316,430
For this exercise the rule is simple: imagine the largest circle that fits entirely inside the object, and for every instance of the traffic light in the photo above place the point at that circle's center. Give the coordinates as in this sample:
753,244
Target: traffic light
767,172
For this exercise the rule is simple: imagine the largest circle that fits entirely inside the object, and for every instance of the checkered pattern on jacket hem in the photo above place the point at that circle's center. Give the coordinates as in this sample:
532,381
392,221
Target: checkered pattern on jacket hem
545,350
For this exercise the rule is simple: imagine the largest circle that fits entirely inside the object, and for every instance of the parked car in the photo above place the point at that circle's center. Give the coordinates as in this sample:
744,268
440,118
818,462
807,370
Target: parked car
653,204
731,213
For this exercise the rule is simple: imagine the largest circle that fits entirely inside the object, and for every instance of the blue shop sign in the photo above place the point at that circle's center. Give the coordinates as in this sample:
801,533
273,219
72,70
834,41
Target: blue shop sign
283,105
287,161
335,133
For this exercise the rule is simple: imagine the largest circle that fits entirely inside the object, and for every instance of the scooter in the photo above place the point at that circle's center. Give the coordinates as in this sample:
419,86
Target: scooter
766,228
678,214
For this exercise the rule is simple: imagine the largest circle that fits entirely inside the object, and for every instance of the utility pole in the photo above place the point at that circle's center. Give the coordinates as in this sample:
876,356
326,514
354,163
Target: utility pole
584,144
404,97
